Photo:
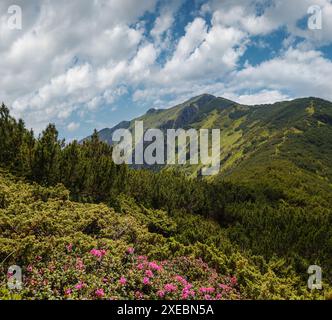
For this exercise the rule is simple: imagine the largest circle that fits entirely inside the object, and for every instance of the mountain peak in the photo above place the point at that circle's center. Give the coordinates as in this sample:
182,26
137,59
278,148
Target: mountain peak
201,99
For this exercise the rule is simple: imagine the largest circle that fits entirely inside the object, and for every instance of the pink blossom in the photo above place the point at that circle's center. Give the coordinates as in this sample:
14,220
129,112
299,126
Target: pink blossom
188,286
149,273
207,297
123,281
206,290
139,295
98,253
142,258
29,268
161,293
170,287
80,285
187,292
224,287
68,292
79,264
154,266
99,293
130,250
69,247
234,281
140,266
219,296
146,280
182,280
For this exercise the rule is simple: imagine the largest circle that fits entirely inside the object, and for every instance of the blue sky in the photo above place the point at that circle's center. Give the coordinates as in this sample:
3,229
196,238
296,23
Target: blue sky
85,64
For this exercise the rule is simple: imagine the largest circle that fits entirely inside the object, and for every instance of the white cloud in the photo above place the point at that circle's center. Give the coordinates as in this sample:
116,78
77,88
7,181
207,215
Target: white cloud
274,14
73,126
204,52
261,97
166,17
304,73
37,64
102,50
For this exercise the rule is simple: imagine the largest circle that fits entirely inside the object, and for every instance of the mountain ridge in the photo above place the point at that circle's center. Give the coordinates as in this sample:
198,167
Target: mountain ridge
267,132
198,102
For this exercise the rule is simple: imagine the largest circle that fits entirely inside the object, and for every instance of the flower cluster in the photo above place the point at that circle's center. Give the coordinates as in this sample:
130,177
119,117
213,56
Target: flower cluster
98,253
73,276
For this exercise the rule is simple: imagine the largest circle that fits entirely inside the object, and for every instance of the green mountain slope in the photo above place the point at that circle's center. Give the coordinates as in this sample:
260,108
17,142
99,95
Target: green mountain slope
299,131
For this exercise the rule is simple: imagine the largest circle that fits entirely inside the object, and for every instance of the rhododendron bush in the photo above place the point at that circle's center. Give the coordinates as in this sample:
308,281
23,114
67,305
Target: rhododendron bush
70,250
99,274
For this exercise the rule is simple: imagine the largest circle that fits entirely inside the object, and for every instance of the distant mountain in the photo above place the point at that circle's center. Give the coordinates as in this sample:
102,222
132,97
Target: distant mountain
298,132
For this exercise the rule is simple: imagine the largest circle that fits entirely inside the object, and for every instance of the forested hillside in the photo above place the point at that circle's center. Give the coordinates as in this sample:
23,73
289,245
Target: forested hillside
82,227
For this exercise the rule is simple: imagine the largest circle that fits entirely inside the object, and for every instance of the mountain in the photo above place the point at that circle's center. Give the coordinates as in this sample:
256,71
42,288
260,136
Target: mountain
298,132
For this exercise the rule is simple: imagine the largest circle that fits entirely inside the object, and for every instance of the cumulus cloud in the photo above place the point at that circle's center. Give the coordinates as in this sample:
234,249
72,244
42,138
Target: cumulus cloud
261,97
165,20
260,17
72,126
304,73
73,58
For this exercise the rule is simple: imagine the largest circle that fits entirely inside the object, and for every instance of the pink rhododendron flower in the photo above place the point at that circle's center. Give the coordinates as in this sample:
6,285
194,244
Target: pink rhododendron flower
170,287
161,293
224,287
123,281
79,264
146,280
142,258
182,280
69,247
206,290
140,266
234,281
29,268
98,253
187,292
154,266
207,297
149,273
139,295
99,293
68,292
188,286
130,250
80,285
